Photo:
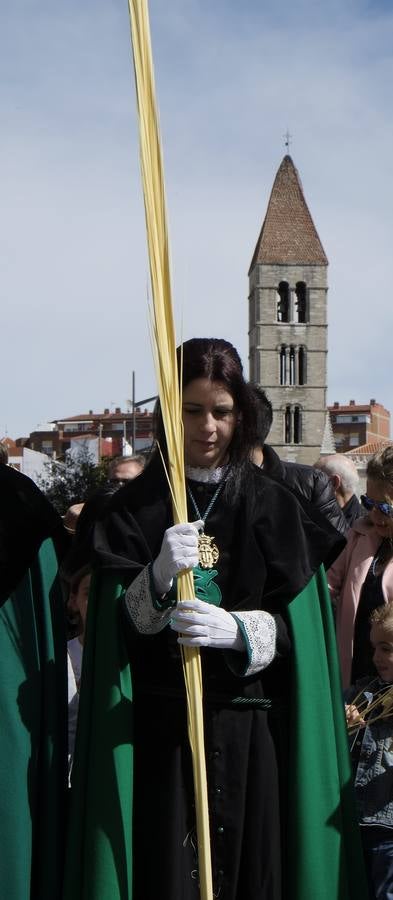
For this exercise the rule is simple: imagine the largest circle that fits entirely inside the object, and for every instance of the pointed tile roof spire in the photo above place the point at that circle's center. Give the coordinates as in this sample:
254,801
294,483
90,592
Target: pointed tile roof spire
328,445
288,234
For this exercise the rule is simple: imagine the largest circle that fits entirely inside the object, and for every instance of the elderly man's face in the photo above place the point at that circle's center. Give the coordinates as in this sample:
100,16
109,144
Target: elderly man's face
125,471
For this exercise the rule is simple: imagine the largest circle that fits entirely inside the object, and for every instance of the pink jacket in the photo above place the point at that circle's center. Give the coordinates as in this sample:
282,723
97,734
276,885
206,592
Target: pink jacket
346,577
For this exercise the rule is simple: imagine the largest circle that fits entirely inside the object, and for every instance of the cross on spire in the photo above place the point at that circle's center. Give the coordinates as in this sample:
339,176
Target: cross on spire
288,139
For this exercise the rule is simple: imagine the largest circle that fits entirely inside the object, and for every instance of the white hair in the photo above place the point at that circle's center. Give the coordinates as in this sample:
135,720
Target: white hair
339,464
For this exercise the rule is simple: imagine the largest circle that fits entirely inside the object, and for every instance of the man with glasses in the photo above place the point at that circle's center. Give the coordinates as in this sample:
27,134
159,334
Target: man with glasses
122,469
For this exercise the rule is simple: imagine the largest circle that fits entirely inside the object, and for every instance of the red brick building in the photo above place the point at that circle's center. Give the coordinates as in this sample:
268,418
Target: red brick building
357,424
109,427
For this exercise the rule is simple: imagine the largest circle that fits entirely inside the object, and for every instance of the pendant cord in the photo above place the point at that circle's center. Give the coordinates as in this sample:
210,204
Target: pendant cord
210,505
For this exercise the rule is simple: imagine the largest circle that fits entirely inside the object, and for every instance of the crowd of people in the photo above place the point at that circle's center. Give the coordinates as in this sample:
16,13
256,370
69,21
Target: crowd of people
282,556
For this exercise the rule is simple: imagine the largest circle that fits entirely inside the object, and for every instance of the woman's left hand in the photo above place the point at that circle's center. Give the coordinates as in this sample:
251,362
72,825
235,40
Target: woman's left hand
201,624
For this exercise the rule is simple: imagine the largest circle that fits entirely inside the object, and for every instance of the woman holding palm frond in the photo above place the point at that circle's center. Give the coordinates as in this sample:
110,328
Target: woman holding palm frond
252,548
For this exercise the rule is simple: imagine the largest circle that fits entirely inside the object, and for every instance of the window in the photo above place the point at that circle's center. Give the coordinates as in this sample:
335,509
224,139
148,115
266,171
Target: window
302,379
300,305
283,302
347,420
292,366
47,447
77,426
283,367
288,425
297,425
292,425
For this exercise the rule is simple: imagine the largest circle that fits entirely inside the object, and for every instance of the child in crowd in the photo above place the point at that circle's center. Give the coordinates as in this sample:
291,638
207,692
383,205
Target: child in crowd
371,728
77,612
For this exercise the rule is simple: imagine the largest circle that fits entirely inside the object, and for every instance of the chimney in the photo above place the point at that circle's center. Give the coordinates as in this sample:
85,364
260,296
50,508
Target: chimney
117,410
352,403
336,404
106,412
90,412
372,402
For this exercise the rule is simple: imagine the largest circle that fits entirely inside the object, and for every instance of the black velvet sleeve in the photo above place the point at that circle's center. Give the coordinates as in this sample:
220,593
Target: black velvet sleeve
26,520
294,538
130,534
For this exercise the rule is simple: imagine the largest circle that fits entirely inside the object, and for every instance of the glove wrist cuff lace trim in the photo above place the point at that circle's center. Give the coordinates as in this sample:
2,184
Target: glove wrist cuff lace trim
147,612
258,629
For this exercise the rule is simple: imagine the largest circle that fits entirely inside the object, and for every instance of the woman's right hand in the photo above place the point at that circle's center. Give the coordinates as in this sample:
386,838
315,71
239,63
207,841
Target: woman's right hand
179,551
353,716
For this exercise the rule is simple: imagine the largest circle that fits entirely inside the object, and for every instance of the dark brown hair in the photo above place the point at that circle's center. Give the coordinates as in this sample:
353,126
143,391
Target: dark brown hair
217,360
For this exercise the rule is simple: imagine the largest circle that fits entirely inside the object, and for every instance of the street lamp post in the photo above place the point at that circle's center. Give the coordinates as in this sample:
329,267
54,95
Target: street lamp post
135,405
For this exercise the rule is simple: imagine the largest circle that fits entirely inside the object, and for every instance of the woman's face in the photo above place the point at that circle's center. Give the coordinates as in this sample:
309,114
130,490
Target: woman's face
378,491
209,418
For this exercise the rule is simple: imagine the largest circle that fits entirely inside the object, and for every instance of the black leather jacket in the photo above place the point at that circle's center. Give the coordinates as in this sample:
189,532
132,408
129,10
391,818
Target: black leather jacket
309,482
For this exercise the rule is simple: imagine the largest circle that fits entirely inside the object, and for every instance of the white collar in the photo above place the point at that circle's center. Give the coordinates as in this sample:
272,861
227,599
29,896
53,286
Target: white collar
203,473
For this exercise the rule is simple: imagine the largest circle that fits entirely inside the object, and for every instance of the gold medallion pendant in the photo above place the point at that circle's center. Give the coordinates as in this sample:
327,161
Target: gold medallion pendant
208,552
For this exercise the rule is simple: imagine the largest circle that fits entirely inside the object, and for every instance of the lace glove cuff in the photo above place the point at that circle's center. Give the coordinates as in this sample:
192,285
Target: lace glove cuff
259,631
147,612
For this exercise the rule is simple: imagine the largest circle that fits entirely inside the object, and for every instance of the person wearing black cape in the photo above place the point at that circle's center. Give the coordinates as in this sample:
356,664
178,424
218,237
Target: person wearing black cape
33,693
254,551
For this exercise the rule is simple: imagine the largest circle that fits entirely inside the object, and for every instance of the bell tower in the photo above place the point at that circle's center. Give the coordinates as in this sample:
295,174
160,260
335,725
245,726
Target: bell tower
288,319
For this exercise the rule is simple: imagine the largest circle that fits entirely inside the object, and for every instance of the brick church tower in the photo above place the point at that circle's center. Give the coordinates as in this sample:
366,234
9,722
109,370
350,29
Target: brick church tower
288,319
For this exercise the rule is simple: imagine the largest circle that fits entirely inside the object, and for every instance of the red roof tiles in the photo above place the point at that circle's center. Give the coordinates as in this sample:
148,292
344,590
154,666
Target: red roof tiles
288,233
370,448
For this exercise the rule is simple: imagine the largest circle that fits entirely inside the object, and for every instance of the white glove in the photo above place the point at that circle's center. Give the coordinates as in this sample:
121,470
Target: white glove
179,551
203,625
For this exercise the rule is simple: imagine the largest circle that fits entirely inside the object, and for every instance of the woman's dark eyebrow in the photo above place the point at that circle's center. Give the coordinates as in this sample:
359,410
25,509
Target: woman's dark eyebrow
220,407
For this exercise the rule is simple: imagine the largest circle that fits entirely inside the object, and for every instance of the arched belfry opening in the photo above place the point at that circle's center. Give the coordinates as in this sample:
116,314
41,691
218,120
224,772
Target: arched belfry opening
300,304
283,302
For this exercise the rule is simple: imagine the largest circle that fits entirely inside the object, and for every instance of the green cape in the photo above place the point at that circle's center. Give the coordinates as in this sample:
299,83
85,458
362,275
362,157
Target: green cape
33,757
324,859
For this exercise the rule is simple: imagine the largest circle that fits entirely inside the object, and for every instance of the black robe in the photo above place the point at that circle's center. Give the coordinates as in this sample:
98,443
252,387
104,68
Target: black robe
269,549
33,693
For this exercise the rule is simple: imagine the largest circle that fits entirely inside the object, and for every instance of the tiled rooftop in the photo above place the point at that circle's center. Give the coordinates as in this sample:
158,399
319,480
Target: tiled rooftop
370,448
288,233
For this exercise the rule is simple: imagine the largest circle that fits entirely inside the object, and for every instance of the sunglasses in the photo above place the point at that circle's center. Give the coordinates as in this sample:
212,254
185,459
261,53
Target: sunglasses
383,507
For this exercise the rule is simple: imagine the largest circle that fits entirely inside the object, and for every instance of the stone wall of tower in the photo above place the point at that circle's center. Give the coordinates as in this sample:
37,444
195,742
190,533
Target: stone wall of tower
267,336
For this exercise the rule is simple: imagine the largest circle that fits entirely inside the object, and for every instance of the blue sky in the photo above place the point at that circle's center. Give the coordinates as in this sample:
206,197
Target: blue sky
231,78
